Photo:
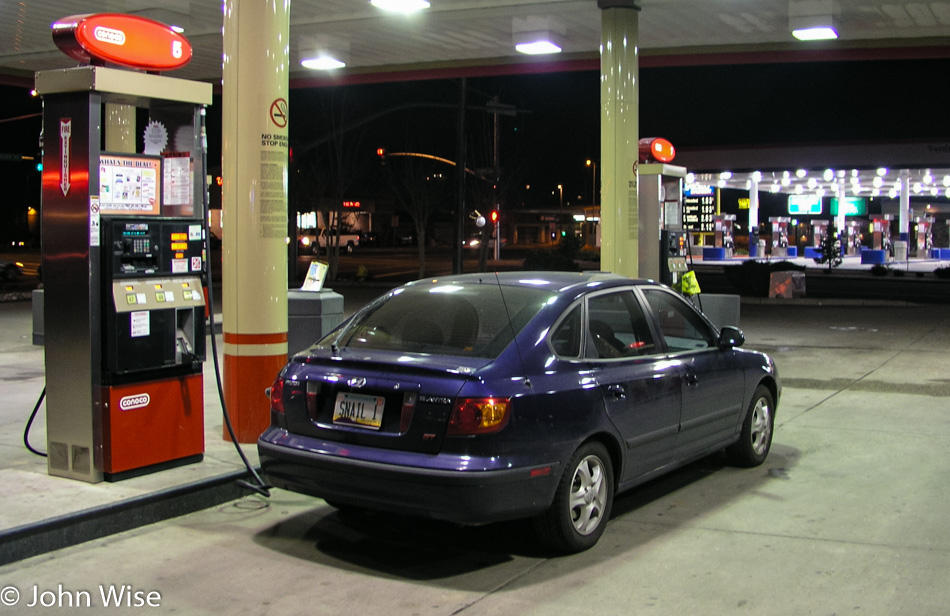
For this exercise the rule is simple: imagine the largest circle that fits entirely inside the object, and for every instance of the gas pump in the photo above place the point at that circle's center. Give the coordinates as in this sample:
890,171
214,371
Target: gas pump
724,238
819,231
881,232
663,252
854,237
123,263
780,235
924,236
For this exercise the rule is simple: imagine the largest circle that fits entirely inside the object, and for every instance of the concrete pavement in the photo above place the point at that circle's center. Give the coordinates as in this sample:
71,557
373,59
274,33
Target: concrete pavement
848,514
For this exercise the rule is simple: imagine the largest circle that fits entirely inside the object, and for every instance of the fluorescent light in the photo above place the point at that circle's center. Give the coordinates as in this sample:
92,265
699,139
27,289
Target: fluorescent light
322,63
323,53
535,35
400,6
820,33
536,48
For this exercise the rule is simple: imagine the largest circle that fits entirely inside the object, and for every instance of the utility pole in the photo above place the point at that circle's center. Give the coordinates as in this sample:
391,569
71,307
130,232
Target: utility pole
460,179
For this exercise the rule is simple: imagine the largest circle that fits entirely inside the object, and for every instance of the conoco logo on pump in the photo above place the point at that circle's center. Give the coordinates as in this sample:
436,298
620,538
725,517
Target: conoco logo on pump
109,35
136,401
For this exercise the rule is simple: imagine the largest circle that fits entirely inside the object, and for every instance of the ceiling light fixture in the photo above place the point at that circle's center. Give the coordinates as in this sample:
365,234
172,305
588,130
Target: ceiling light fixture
537,35
539,47
324,53
813,20
400,6
817,33
322,63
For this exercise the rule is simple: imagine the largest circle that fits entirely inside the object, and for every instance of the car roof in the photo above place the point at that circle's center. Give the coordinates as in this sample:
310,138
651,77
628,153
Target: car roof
559,282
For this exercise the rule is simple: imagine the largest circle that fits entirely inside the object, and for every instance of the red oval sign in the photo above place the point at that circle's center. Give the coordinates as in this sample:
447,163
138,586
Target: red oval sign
658,149
127,40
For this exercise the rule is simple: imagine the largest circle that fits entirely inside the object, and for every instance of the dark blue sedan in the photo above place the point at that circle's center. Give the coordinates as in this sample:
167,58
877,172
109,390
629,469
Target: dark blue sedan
487,397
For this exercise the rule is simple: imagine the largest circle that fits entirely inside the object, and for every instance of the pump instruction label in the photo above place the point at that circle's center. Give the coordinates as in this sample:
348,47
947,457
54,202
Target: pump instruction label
140,324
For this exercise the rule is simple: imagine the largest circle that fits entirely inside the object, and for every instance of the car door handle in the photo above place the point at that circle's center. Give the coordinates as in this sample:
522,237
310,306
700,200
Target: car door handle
618,391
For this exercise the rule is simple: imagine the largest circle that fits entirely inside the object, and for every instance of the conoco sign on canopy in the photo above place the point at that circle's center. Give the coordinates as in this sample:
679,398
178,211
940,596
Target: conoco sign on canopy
127,40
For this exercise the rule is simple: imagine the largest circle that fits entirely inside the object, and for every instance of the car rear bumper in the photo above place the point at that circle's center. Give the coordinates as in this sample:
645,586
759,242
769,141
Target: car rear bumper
462,496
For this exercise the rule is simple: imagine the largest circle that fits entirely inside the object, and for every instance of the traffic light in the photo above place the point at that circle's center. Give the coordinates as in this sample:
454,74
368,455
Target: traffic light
381,152
494,216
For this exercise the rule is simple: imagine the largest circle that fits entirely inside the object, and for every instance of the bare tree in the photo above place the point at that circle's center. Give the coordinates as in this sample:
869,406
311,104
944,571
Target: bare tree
421,187
324,175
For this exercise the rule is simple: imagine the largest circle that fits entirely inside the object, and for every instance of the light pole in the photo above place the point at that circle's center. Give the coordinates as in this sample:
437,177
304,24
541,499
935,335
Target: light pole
593,183
560,212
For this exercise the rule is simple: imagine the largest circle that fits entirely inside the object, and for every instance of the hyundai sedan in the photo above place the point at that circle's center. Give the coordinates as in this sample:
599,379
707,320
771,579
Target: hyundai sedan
488,397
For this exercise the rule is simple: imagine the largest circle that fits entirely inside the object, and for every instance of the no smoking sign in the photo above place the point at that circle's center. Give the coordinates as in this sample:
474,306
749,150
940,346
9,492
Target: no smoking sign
278,113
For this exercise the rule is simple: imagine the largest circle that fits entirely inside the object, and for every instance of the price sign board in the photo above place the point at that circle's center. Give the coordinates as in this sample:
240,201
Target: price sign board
698,212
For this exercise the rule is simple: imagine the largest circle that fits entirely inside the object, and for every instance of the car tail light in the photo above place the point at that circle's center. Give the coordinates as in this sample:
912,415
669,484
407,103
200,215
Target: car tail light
277,395
479,416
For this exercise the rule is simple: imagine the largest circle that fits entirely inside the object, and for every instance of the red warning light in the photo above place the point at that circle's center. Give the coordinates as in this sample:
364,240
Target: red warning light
494,216
656,149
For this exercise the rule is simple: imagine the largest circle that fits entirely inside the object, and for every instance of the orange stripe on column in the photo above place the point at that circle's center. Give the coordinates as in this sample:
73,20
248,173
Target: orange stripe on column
248,406
275,338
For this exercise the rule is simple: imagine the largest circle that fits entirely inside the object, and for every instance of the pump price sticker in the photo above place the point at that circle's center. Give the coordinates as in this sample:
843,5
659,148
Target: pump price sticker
179,266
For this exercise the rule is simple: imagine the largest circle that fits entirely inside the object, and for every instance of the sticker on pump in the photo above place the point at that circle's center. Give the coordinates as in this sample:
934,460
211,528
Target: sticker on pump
179,266
194,233
140,324
196,264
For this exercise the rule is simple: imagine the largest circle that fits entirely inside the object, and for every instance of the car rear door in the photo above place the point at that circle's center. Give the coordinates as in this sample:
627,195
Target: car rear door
642,391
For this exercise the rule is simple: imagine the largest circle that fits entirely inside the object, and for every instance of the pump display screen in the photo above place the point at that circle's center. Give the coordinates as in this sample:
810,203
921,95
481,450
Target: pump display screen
129,184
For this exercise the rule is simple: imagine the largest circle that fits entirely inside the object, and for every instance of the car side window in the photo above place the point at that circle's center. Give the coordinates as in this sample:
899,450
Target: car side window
566,338
682,328
617,327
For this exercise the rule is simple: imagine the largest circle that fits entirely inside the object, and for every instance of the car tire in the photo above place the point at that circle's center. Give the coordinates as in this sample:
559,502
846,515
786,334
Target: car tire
756,439
577,517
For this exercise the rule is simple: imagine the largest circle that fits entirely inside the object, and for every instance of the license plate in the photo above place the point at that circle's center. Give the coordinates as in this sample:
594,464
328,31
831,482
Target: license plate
358,410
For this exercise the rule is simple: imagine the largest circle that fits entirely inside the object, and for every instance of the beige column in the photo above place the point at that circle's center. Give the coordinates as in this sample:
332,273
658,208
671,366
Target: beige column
254,206
619,136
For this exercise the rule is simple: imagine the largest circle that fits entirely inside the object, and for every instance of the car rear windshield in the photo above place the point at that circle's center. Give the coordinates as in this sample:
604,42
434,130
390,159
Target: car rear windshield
475,320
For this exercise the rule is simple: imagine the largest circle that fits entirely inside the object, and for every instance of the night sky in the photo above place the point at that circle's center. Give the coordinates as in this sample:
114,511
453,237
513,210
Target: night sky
558,127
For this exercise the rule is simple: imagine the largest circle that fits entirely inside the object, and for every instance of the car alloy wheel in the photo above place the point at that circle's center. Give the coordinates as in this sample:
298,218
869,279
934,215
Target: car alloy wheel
756,439
761,426
582,503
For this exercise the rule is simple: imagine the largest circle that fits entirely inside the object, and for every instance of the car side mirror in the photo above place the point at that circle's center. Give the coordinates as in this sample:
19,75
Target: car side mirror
730,337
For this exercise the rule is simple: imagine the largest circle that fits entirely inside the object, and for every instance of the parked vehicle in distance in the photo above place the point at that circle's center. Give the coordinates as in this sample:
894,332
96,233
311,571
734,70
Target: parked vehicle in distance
405,237
369,238
11,270
475,241
311,241
487,397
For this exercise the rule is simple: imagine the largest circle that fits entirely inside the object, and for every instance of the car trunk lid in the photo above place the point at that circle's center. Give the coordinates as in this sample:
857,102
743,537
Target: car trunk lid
369,403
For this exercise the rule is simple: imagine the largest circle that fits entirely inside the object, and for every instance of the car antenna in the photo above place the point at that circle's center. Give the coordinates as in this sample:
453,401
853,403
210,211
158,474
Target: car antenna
514,335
